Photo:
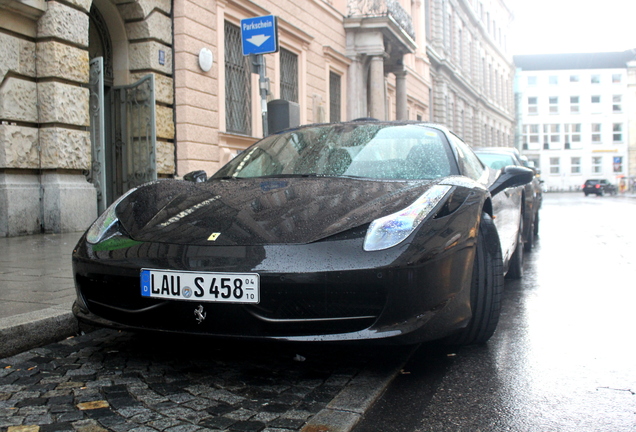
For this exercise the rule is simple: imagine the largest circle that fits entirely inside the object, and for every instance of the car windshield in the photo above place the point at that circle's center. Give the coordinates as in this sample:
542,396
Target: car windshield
496,160
369,150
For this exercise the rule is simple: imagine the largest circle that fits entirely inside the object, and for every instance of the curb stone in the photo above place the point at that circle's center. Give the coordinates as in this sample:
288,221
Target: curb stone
26,331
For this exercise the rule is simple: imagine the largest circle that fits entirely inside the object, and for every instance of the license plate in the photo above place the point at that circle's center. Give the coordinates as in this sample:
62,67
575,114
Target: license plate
201,286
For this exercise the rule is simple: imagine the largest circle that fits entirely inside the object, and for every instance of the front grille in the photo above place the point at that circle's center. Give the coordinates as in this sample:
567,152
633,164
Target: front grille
319,301
291,308
117,291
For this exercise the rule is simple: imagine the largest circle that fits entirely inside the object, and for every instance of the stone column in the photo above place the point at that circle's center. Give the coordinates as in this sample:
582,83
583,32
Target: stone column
69,201
401,105
377,96
356,93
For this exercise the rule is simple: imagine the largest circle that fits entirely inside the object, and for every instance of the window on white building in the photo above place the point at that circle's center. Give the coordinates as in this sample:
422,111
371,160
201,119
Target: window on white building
617,78
530,136
596,104
572,135
554,105
596,133
574,78
617,103
532,105
617,135
553,80
574,105
552,133
533,132
555,167
595,79
575,165
532,80
597,164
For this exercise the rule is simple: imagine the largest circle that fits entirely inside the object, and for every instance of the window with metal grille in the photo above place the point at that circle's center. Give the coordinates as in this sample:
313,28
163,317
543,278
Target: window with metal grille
288,75
238,91
334,97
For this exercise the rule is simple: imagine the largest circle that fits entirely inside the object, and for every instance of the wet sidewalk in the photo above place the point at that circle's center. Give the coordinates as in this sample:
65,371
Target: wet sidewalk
36,290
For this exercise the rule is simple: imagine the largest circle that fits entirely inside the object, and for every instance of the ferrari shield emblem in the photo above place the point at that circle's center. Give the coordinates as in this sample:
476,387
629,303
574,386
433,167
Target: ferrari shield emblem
214,236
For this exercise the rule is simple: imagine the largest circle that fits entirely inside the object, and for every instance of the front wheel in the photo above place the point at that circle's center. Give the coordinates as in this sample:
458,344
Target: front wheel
515,267
529,241
486,288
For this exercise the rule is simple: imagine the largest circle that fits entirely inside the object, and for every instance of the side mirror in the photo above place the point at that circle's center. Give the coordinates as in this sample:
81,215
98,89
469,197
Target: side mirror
196,176
511,176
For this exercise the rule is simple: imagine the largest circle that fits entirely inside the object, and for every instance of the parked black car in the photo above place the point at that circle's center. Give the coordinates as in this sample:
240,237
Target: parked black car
599,187
499,157
390,231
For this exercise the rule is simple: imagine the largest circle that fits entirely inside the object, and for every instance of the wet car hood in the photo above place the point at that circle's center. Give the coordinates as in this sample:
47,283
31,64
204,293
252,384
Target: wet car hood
260,211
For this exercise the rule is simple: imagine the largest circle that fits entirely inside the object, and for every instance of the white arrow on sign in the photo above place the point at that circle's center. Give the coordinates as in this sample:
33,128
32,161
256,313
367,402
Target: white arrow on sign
258,40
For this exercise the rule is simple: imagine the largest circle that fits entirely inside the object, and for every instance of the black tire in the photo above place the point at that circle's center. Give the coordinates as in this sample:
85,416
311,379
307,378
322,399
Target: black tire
529,243
600,193
486,288
515,266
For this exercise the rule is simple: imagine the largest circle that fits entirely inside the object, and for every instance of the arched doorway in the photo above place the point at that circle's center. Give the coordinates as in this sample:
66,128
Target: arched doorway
123,131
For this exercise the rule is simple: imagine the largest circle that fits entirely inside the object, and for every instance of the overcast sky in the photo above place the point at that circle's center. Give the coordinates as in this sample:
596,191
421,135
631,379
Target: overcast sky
572,26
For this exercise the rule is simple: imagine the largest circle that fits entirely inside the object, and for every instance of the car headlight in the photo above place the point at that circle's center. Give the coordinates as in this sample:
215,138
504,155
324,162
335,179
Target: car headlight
391,230
107,224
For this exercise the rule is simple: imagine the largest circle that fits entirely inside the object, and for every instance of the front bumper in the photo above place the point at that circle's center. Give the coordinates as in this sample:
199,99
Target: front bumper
325,291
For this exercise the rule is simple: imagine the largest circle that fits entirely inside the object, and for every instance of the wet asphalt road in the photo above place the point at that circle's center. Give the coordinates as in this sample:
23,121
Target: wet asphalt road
564,355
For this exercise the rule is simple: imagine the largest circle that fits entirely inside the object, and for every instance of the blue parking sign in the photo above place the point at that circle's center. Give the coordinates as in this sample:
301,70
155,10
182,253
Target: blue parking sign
259,35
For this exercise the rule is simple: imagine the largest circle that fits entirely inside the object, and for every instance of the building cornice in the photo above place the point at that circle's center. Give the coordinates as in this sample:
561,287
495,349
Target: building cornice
32,9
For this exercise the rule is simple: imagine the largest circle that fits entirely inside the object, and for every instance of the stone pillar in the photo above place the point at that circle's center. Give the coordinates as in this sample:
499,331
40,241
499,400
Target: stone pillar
401,105
356,91
377,96
150,30
19,187
68,200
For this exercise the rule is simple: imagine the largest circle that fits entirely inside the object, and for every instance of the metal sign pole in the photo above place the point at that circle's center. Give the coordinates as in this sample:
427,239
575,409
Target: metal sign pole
259,66
259,35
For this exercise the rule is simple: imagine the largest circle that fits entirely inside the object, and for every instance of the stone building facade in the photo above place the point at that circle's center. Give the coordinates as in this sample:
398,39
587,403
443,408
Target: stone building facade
46,106
76,131
471,69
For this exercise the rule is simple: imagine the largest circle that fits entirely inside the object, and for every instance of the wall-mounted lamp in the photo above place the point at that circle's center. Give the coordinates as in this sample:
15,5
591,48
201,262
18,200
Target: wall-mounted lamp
205,59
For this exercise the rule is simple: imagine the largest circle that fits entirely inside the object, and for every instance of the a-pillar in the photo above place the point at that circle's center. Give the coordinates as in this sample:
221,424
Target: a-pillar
401,108
377,97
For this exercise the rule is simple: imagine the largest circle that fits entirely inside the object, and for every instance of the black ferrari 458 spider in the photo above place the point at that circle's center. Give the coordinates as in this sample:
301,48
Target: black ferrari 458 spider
366,230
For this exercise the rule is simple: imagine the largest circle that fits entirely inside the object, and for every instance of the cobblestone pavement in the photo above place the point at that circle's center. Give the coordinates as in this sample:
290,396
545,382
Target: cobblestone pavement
118,381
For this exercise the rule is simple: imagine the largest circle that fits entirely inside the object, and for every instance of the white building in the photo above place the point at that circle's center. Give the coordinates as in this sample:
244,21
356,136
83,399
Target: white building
574,112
